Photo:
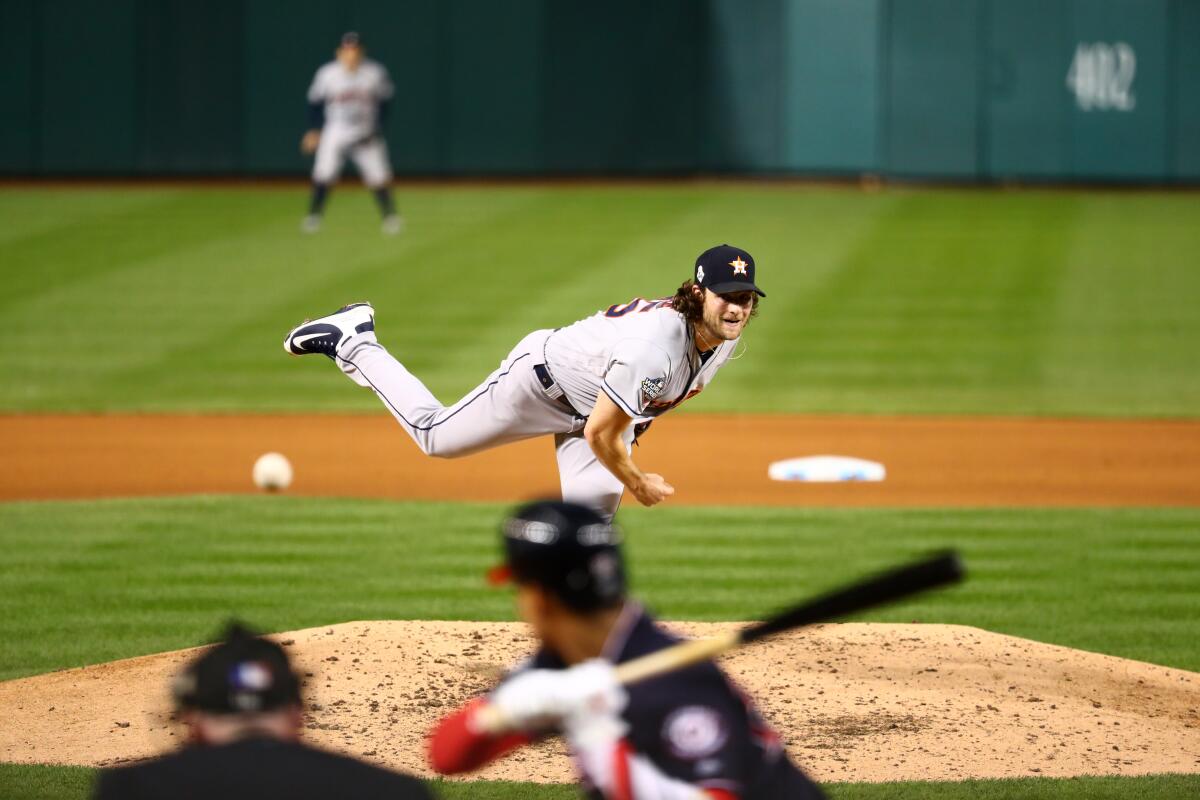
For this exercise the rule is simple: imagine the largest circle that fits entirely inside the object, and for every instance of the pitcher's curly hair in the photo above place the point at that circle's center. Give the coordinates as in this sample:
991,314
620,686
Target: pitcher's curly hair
691,305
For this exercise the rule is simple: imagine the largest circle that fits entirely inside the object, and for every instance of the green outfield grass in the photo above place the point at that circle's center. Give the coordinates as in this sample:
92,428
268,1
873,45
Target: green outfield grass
159,574
908,300
902,301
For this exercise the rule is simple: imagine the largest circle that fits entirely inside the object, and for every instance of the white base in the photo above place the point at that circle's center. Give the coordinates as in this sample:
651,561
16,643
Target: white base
826,469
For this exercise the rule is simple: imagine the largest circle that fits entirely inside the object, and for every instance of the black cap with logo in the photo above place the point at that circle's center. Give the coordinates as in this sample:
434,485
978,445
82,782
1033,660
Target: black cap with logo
725,268
243,674
351,39
567,549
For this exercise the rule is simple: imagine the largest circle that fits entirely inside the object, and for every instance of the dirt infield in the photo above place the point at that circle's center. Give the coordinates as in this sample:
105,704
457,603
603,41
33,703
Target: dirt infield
930,461
854,702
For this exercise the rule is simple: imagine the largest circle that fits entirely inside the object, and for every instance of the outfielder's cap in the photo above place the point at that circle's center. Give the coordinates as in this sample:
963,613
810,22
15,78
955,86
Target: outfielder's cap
351,39
567,549
242,674
726,268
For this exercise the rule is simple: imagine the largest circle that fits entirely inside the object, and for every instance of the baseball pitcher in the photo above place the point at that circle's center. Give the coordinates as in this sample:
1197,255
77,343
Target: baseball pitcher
347,103
594,385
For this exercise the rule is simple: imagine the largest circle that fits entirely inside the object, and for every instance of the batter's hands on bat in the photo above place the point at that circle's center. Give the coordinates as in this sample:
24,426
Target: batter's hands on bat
595,718
653,489
308,145
541,698
526,701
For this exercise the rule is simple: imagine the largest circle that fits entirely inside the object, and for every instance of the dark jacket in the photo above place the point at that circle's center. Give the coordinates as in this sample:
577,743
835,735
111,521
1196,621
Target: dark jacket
256,769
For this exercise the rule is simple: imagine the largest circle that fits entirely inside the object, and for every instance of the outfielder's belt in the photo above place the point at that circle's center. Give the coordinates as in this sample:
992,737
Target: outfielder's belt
553,390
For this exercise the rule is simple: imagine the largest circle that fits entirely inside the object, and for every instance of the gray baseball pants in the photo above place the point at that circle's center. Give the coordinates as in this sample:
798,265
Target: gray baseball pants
511,404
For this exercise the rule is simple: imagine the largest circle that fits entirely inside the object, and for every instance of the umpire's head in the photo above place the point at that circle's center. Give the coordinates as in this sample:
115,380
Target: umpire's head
566,562
241,688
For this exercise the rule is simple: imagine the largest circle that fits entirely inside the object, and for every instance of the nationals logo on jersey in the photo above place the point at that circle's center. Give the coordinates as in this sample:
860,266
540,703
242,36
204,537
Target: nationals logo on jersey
694,732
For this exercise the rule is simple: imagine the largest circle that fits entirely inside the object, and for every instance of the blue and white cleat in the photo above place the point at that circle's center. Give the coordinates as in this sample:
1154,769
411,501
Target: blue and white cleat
325,335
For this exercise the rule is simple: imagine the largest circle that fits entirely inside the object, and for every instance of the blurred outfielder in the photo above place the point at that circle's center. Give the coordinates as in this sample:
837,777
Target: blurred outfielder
347,103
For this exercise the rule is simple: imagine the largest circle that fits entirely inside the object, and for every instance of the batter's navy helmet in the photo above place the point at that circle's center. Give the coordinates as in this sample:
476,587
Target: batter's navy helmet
567,549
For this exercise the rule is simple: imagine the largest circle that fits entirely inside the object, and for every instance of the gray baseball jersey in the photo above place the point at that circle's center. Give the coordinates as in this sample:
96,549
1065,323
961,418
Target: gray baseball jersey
351,98
640,354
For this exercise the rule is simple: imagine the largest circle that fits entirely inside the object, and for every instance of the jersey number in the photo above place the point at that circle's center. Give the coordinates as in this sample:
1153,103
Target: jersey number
650,305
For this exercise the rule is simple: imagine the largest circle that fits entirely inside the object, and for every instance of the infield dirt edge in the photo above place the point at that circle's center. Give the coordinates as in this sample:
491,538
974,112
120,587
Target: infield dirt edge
931,461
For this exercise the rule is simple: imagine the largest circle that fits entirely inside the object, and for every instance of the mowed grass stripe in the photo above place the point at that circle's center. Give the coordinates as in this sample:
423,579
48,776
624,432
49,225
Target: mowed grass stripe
87,582
911,301
944,297
53,240
212,312
35,782
31,216
1130,257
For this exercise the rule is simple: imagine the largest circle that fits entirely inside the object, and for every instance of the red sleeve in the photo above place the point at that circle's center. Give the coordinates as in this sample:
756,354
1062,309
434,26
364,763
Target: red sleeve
455,747
721,794
622,785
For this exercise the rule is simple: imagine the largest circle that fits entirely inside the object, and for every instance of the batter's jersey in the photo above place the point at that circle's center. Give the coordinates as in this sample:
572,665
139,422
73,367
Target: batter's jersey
351,98
693,724
641,354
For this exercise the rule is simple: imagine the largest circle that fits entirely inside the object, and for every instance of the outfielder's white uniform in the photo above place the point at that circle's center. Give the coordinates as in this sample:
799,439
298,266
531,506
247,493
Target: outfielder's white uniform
642,355
352,121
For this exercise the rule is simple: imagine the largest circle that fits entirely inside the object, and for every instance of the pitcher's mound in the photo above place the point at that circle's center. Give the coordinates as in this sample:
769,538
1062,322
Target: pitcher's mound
854,702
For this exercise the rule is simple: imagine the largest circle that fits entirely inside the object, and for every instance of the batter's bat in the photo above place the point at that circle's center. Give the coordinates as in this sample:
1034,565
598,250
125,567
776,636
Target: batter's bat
887,587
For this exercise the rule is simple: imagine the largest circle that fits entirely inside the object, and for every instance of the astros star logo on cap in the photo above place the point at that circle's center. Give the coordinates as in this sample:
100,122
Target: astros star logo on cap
739,266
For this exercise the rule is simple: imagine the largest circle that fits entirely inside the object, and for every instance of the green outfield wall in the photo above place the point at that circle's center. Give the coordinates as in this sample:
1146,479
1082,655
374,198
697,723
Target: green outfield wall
944,89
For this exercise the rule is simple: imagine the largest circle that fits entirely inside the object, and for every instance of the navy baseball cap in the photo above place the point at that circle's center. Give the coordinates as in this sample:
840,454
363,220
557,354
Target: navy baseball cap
567,549
725,268
243,674
351,39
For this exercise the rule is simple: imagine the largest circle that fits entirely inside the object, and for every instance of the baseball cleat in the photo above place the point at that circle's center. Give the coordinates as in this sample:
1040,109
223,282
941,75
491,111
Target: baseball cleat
311,223
392,224
325,335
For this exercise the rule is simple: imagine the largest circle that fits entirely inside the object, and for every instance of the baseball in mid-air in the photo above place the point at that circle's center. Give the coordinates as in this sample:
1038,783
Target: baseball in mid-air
272,472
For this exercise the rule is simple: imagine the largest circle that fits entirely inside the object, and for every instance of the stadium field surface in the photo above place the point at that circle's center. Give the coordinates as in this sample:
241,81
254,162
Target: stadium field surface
904,305
902,301
930,461
155,573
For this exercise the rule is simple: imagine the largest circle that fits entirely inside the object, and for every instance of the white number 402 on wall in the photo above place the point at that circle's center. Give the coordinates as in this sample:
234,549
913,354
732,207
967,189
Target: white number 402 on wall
1101,76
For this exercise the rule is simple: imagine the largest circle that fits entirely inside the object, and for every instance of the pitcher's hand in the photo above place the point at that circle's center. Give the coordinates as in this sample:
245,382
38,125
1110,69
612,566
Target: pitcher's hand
653,490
